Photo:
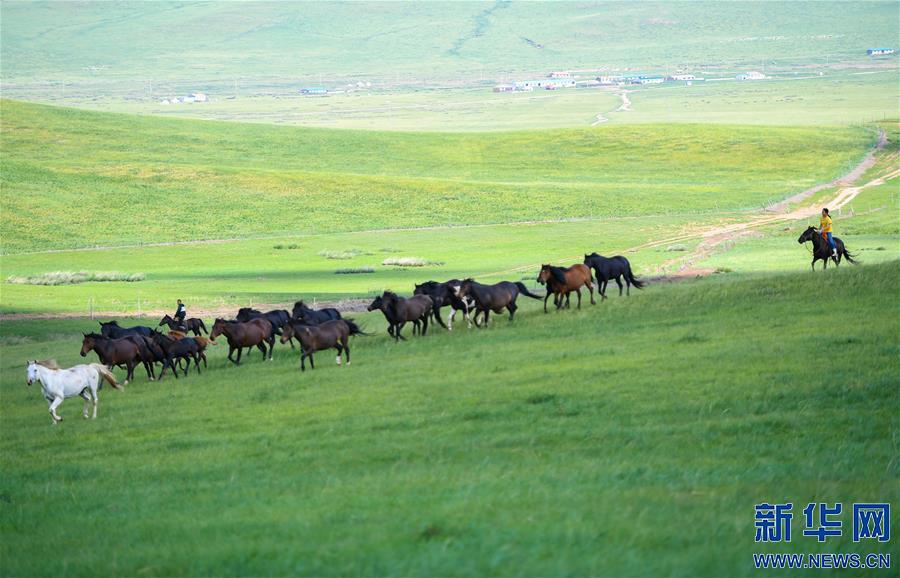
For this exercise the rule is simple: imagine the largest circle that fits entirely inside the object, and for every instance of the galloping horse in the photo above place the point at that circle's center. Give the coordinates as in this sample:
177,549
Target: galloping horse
614,268
494,297
192,324
822,250
335,333
312,316
113,352
399,311
562,281
256,332
202,342
58,384
114,331
185,348
443,294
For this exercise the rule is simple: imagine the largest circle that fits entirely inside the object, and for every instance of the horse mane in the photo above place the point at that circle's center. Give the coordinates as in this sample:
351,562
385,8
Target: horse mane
113,322
558,273
48,363
389,295
94,335
300,304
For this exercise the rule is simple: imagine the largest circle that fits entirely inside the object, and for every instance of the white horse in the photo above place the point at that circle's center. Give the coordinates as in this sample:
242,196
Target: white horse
58,384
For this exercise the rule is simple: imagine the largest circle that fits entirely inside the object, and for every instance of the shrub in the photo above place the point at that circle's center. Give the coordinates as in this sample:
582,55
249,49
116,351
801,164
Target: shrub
73,278
354,270
346,254
409,262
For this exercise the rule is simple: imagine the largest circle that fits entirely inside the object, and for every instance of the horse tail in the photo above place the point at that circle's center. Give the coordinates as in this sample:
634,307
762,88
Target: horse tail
638,284
849,256
203,327
524,291
106,375
354,328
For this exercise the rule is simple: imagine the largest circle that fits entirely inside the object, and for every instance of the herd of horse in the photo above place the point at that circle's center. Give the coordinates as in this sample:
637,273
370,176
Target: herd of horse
322,329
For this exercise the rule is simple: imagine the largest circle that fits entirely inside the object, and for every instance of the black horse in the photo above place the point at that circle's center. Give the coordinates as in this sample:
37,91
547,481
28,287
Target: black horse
494,298
399,311
443,294
112,330
183,349
192,324
313,316
608,269
822,250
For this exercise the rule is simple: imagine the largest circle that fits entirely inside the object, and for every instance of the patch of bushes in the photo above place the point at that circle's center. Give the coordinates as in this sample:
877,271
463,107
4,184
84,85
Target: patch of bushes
280,247
354,270
409,262
676,248
73,278
340,255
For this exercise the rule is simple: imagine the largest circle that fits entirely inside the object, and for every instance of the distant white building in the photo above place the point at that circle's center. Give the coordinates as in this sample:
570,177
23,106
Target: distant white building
504,88
199,97
752,75
683,77
561,74
879,51
609,79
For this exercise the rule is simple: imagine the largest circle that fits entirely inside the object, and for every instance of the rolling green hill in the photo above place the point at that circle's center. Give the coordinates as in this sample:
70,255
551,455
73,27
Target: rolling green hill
67,174
284,42
632,438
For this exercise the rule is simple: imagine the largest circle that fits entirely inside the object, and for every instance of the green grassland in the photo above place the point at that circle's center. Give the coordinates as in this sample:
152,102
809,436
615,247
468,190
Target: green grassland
627,439
199,42
839,97
67,174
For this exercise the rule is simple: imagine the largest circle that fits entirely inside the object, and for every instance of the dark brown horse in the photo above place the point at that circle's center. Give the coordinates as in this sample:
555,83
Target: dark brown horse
822,250
113,352
399,311
561,281
335,333
256,332
202,341
193,324
496,297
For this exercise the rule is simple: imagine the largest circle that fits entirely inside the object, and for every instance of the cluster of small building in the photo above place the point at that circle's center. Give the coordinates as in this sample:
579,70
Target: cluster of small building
564,79
190,98
879,51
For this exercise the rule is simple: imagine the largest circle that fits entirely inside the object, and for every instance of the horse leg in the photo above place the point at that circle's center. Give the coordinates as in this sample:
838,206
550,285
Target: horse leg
347,348
450,319
240,350
197,362
53,405
619,283
271,347
129,375
437,316
425,325
545,301
302,359
149,369
261,346
578,291
340,350
312,362
95,400
603,293
87,398
512,309
590,287
397,336
203,357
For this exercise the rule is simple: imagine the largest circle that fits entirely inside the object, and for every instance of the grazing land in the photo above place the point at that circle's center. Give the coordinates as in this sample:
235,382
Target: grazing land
531,448
191,180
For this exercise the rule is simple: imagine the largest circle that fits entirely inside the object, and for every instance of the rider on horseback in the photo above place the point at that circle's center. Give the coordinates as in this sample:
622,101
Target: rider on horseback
825,230
181,312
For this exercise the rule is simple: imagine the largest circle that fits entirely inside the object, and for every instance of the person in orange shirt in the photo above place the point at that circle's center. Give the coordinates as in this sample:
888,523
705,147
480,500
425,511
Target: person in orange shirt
825,229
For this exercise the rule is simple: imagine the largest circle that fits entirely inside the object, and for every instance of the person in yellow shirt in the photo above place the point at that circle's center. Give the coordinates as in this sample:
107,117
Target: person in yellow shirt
825,229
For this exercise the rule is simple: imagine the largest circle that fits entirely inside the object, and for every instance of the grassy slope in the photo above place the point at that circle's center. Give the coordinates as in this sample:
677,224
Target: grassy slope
199,42
66,173
628,439
869,225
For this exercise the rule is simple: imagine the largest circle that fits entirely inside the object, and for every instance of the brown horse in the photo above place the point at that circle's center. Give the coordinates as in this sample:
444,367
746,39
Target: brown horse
494,297
399,311
113,352
562,281
192,324
256,332
335,333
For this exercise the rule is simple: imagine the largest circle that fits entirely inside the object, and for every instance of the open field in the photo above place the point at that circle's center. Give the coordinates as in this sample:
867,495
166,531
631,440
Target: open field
190,180
531,449
188,45
839,97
